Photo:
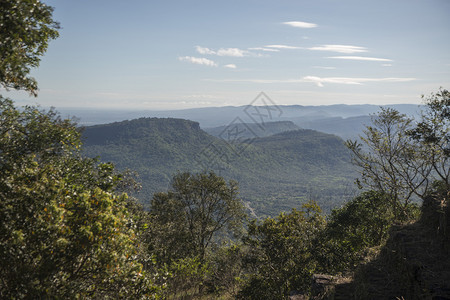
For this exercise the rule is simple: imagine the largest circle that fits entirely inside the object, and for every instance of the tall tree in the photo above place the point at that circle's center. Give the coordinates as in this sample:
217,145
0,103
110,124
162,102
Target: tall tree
198,207
281,258
361,223
387,158
64,230
432,133
26,27
402,159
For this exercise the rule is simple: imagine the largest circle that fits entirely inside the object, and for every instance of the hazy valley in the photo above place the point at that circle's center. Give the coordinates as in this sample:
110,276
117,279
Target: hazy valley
275,172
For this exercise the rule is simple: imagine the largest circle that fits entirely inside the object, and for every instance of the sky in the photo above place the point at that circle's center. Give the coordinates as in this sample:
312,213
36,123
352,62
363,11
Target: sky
150,54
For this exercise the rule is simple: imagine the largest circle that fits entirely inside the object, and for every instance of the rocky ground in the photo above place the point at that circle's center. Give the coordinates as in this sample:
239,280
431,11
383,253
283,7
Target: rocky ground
413,264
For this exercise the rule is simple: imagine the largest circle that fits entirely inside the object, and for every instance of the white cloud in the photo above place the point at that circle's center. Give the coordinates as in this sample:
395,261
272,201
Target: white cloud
198,60
387,65
234,52
256,80
324,68
347,80
203,50
264,49
300,24
361,58
348,49
282,47
321,80
230,66
196,96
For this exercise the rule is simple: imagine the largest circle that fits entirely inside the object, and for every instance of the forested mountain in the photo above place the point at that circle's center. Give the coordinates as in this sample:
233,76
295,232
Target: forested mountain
252,130
274,173
346,128
346,121
218,116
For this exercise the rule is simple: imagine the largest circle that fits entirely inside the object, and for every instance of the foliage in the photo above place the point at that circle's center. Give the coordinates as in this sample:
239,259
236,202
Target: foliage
360,224
280,259
387,165
432,134
166,234
243,131
402,159
26,27
226,269
197,208
275,173
64,231
186,278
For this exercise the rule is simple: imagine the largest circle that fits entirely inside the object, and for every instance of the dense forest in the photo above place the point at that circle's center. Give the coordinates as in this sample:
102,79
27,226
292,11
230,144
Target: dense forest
71,228
275,173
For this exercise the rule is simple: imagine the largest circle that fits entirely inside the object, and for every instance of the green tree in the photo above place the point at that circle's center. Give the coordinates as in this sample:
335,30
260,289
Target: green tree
191,215
26,27
65,231
402,159
226,269
432,134
360,224
280,257
389,161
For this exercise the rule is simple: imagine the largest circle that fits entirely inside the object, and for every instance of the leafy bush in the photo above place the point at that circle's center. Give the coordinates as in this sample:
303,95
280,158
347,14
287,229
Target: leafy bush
64,228
361,223
280,259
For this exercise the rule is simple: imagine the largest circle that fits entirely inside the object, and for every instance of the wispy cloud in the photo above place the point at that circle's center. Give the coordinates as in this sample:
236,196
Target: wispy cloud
348,80
204,50
360,58
320,81
348,49
198,60
264,49
324,68
230,66
256,80
299,24
233,52
282,47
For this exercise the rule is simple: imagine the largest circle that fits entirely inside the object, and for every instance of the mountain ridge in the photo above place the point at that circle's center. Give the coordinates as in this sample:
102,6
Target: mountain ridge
275,173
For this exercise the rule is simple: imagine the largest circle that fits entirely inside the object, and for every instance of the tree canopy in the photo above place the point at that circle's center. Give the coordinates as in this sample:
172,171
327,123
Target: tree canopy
402,158
65,231
196,208
26,27
280,257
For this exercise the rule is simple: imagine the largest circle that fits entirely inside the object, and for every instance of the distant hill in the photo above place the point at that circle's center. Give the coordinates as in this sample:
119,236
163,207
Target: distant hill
334,119
156,148
251,130
275,173
219,116
346,128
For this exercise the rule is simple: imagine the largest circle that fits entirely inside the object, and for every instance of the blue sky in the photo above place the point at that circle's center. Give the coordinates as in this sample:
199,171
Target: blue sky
181,54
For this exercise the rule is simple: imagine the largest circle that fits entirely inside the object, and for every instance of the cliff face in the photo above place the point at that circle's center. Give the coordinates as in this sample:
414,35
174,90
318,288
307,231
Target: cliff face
414,263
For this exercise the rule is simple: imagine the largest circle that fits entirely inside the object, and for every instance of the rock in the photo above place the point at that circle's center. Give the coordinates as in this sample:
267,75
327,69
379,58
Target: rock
322,285
298,297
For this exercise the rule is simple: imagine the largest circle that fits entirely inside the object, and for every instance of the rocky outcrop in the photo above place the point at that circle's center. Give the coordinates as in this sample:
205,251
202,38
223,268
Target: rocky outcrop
414,263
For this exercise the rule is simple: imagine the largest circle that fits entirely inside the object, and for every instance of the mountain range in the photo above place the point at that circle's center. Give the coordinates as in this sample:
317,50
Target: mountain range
346,121
275,171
